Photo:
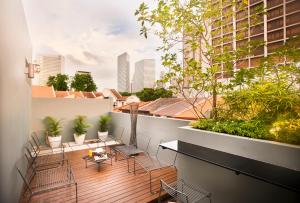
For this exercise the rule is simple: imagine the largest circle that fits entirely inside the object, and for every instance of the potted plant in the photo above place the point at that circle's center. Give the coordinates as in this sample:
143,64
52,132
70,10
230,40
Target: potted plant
80,129
103,127
53,131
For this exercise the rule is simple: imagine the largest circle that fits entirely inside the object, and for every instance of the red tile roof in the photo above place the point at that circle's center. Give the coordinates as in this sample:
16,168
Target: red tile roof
159,103
42,91
61,93
126,107
177,109
89,95
174,107
76,94
98,94
116,93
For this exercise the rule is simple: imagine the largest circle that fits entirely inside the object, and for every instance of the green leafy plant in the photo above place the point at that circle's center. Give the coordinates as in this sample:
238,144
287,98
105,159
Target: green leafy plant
125,93
80,125
287,131
53,126
103,123
59,82
253,129
83,82
151,94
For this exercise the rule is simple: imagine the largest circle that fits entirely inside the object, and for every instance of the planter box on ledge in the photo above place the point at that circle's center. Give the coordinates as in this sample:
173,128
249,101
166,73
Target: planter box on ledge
276,153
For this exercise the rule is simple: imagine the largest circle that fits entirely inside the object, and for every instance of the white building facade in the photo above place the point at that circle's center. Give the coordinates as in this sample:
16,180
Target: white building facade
144,75
50,65
123,73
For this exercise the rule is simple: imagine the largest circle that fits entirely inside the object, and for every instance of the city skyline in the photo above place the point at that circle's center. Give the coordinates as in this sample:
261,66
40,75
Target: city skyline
89,41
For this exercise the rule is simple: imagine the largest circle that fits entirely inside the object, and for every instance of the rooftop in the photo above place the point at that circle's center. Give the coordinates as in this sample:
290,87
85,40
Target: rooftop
111,184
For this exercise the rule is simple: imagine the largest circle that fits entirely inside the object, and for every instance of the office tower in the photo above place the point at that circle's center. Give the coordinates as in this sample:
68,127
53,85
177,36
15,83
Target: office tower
123,73
144,75
50,65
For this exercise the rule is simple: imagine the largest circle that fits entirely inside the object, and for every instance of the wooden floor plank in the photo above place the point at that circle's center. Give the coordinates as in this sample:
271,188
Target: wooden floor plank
111,184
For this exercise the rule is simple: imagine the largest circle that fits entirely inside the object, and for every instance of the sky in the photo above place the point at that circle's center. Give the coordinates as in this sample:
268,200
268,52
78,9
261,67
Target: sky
90,34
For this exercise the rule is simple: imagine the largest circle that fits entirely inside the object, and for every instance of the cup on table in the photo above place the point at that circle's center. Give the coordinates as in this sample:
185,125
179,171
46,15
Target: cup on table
90,153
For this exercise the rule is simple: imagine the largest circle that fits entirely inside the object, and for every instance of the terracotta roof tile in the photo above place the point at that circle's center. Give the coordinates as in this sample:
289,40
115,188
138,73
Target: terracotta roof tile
42,92
160,103
116,93
98,94
76,94
89,95
126,107
61,93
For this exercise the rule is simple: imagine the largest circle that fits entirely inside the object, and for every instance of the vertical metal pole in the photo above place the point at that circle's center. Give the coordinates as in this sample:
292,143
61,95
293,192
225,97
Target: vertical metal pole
133,115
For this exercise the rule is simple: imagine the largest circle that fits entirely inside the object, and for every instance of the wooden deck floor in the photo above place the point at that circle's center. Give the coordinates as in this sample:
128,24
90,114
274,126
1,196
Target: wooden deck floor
111,184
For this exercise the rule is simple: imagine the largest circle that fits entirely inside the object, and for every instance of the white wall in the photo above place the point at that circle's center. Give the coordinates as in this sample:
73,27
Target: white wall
225,185
15,94
66,110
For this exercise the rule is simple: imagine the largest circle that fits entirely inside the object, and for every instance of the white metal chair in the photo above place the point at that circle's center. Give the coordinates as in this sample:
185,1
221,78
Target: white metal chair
151,163
184,192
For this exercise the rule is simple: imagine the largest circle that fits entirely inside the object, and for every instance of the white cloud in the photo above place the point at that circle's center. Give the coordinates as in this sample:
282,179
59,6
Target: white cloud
90,33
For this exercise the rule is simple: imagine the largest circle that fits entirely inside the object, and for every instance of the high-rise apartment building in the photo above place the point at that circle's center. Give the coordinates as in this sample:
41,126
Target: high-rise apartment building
270,21
144,75
278,21
123,73
50,65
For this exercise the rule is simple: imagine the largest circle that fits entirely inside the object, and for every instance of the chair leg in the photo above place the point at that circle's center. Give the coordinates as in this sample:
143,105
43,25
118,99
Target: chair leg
150,180
128,164
134,166
159,195
116,156
76,192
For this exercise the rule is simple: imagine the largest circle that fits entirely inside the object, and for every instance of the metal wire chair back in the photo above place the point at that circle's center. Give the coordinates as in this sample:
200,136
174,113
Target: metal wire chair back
143,142
166,155
184,192
27,172
174,192
118,134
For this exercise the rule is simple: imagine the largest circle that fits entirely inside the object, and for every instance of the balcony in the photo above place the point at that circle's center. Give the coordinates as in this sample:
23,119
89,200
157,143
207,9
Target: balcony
112,183
237,181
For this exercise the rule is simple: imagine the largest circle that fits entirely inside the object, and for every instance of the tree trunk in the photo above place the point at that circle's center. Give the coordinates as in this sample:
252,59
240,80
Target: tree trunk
214,101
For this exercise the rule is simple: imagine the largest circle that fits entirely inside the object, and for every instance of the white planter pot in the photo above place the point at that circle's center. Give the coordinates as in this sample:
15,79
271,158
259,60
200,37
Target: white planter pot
103,135
79,139
54,142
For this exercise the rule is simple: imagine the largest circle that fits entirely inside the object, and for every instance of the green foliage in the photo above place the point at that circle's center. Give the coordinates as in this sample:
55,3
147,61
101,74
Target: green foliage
53,126
268,94
268,91
83,82
80,125
103,123
253,129
59,82
187,23
287,131
125,93
150,94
